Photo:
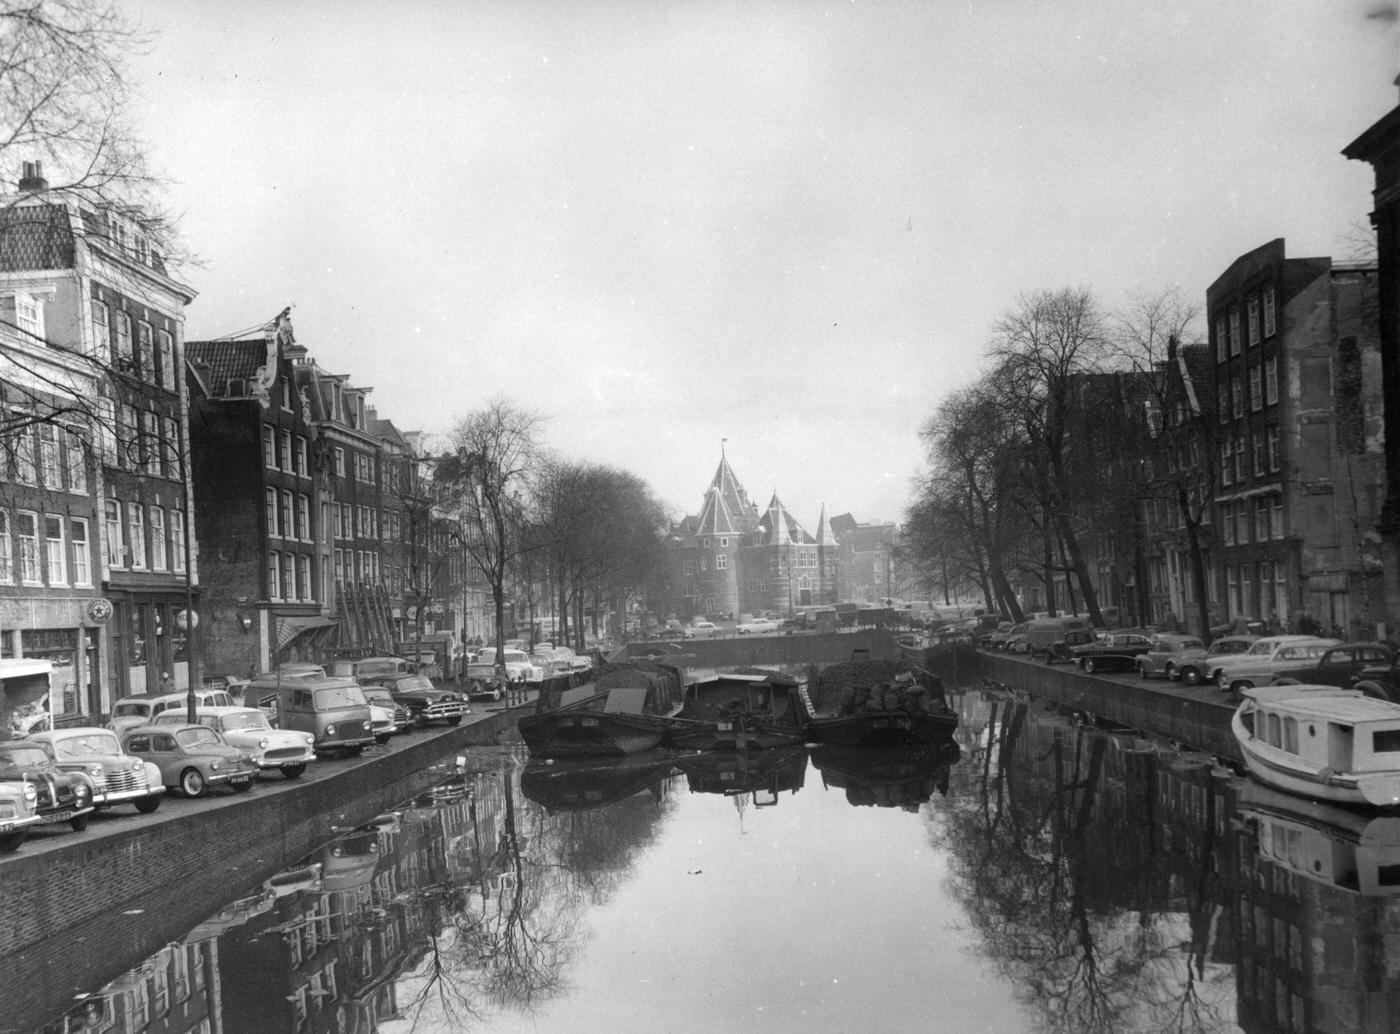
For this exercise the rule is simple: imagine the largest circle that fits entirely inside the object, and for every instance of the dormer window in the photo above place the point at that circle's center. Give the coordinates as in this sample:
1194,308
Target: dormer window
29,315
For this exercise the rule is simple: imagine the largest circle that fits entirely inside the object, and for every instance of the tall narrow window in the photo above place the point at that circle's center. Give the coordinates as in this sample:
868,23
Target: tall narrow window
75,462
26,452
1234,330
101,332
170,448
78,539
302,468
7,562
304,517
124,356
1269,319
270,505
55,550
1222,341
136,533
29,315
269,446
165,360
145,351
288,519
285,449
1253,319
50,473
177,538
158,554
28,528
1271,380
289,577
112,540
274,575
1256,399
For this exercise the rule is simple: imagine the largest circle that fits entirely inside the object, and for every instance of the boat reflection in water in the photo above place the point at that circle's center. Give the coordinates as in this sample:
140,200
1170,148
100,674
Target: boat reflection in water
733,773
580,784
1353,850
888,777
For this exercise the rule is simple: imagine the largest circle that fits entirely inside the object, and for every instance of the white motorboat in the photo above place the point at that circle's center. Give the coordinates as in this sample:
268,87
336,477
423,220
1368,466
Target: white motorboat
1321,742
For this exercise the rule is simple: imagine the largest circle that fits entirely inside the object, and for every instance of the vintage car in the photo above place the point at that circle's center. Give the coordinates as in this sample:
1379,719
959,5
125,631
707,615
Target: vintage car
117,777
1113,651
999,639
518,665
247,728
1267,657
481,682
18,810
61,796
388,715
758,626
144,708
1340,666
1168,653
1061,650
192,758
700,630
425,702
1193,672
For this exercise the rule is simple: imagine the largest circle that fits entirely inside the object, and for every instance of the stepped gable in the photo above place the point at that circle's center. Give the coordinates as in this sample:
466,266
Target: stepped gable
727,510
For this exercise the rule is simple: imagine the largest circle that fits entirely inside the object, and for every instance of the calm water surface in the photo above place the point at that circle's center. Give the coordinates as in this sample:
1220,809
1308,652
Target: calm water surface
1042,876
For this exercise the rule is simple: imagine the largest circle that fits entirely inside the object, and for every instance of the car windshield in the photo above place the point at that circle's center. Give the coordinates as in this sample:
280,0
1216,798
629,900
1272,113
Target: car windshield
419,683
23,756
378,696
131,710
197,737
245,720
340,696
87,745
516,657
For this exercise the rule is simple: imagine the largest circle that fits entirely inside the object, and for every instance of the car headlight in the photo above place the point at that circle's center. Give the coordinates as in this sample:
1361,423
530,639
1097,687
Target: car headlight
136,765
330,730
96,771
81,792
262,743
369,726
214,765
310,740
30,794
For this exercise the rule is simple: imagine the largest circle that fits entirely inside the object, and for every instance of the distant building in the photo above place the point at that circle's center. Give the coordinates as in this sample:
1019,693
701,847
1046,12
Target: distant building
734,559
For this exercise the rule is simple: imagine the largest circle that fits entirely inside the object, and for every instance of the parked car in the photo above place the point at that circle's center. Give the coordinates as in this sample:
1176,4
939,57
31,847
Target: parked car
18,810
700,630
482,682
1267,657
1000,639
388,715
425,702
517,662
1063,649
59,796
1114,651
1017,642
1339,666
333,710
230,684
566,660
758,626
366,667
117,777
1381,680
1168,653
144,708
1043,634
1193,672
192,758
247,728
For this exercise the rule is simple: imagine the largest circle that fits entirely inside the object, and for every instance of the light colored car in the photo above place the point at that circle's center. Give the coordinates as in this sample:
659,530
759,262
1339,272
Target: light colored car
192,758
1194,672
758,626
18,810
117,777
700,630
518,665
389,716
1269,657
1168,653
247,728
144,708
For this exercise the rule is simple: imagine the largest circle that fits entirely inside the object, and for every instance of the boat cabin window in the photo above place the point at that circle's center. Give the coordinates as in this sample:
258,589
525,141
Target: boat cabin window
1290,735
1274,735
1385,741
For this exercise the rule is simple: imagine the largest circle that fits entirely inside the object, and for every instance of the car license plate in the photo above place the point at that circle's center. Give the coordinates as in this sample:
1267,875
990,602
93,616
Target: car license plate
57,816
290,764
5,827
725,726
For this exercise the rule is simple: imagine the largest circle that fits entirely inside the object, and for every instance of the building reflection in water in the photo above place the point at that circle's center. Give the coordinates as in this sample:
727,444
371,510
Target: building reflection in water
1112,881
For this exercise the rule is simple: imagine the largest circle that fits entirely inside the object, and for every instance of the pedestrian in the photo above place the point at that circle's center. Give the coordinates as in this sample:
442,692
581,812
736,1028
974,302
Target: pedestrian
167,684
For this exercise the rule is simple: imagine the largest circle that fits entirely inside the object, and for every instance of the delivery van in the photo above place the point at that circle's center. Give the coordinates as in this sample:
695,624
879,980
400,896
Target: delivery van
332,709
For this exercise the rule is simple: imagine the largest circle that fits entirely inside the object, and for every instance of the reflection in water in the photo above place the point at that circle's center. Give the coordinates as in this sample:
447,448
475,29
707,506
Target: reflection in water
1071,879
888,777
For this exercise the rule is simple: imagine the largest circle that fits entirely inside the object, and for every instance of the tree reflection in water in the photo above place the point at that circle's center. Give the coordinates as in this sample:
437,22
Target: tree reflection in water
1100,909
512,921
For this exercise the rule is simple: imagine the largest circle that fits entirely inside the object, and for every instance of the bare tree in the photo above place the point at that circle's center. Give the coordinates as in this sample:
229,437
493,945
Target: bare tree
486,475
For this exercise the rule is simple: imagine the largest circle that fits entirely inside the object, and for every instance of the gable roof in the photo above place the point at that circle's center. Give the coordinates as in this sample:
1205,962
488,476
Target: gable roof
727,509
225,360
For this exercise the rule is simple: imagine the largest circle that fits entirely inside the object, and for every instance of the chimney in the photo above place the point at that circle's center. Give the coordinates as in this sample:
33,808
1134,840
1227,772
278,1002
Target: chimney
32,179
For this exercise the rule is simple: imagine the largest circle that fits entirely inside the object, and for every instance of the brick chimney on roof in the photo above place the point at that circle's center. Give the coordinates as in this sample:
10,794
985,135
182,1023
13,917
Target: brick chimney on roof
32,179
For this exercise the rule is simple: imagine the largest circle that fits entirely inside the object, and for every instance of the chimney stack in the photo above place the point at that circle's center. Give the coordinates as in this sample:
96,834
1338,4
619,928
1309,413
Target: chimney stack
32,179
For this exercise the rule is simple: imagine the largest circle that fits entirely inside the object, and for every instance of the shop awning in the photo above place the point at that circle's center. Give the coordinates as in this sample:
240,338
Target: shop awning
289,629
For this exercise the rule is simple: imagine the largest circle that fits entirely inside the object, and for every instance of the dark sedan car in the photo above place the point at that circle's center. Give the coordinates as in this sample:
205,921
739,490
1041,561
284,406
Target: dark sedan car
1116,651
62,796
425,702
1340,666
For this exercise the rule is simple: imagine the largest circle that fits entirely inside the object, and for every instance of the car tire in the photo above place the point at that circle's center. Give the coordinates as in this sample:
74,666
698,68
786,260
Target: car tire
293,771
1285,681
1089,665
1240,685
1191,676
456,719
78,823
11,841
1167,672
382,738
192,783
146,805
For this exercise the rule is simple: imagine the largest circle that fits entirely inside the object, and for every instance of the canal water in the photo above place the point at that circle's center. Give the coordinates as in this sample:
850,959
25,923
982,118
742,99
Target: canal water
1040,875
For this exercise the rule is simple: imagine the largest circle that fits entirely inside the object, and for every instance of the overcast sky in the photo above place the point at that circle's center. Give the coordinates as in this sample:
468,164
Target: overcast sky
789,225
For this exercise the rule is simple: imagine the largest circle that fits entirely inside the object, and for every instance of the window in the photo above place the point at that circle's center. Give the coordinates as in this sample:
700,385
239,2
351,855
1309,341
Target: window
289,577
145,353
339,462
269,446
75,462
136,533
302,468
1242,523
177,538
78,539
304,517
1261,520
124,356
285,449
7,570
1221,340
721,562
165,360
1275,461
101,332
1253,319
26,457
1226,471
170,448
289,528
158,554
1227,522
1269,325
1234,330
286,395
270,505
28,527
304,577
1222,403
29,315
340,565
687,567
112,543
1256,400
1240,458
148,446
1271,380
1276,521
274,575
55,552
1236,397
704,563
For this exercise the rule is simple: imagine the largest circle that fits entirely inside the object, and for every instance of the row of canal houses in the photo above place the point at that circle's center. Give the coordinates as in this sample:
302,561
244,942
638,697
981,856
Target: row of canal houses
146,478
